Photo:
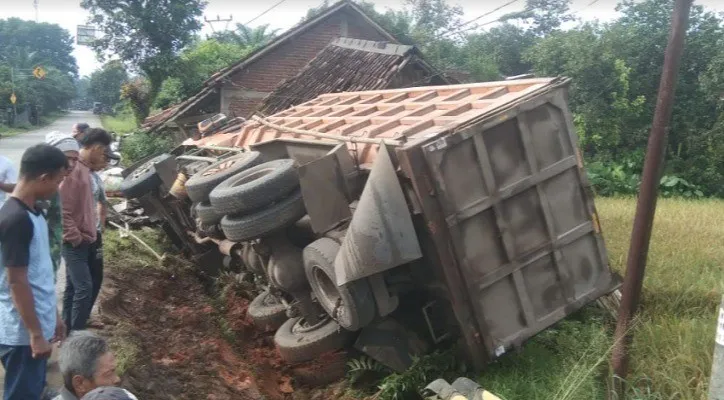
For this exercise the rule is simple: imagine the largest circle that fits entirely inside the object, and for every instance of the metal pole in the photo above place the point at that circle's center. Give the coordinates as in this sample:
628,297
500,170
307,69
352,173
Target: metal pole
716,385
646,205
12,84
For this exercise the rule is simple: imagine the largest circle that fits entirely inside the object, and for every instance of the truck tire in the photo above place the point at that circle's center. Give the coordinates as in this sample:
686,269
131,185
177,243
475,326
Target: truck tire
267,312
261,223
298,343
204,181
207,214
255,187
352,305
143,179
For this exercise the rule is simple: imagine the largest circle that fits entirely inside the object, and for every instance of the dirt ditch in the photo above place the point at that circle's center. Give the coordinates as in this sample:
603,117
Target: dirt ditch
173,341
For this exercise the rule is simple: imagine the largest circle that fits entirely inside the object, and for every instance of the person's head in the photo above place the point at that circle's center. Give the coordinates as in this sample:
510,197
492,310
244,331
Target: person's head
86,362
94,146
66,144
42,169
109,393
79,130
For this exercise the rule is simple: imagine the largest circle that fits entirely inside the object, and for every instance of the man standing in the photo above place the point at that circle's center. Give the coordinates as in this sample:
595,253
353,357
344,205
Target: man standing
80,231
8,178
53,213
29,320
86,363
101,201
79,130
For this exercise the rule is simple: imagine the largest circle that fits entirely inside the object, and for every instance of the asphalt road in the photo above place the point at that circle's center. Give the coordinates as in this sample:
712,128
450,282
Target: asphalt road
13,148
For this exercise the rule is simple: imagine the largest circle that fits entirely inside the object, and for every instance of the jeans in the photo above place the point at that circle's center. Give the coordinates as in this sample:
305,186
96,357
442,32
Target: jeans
84,274
24,375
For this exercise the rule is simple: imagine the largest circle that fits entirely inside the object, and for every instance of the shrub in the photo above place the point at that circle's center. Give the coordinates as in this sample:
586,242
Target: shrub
142,144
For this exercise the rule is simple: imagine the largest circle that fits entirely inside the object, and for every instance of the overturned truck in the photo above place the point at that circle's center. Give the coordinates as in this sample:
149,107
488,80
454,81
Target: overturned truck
394,220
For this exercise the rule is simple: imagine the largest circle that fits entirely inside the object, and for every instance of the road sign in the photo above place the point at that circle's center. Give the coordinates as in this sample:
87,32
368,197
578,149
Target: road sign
13,98
39,73
86,35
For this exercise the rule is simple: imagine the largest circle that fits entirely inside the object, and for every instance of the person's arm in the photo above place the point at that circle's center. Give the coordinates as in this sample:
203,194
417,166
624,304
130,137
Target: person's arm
15,236
102,205
70,204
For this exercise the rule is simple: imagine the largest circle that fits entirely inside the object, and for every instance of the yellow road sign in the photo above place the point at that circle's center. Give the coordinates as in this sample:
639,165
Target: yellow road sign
39,73
13,98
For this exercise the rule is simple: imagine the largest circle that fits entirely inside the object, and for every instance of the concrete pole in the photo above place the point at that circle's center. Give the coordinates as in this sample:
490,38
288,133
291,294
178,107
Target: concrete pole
716,385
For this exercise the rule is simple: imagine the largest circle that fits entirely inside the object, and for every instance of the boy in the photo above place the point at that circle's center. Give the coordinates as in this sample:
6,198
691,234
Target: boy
80,231
29,322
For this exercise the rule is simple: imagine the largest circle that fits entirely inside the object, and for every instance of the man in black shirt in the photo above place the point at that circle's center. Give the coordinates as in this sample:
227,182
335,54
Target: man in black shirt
29,320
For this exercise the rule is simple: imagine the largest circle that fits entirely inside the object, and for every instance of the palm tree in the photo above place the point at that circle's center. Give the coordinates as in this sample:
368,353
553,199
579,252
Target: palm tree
248,37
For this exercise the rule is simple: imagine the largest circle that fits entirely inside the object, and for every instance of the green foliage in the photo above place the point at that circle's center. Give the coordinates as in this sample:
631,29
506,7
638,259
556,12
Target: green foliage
105,83
247,37
196,64
146,35
122,121
363,366
424,369
142,144
25,45
610,179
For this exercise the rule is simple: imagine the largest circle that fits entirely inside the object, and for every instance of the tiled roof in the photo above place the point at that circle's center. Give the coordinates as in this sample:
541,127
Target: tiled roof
402,115
352,65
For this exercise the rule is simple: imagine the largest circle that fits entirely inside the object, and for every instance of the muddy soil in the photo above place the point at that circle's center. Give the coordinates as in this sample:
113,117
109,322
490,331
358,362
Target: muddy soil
187,345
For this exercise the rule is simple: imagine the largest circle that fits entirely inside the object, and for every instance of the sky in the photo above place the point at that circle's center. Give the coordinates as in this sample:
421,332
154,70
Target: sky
69,14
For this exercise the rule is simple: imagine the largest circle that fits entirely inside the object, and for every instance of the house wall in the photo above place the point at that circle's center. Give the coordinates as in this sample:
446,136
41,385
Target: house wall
246,89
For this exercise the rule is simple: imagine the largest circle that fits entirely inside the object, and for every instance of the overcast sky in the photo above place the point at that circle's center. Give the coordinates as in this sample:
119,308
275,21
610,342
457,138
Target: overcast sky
69,14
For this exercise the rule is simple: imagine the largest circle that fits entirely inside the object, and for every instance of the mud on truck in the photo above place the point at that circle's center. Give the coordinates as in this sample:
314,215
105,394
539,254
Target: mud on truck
393,220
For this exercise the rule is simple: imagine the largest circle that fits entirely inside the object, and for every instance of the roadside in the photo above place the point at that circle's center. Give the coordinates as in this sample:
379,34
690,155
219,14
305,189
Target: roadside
122,122
45,120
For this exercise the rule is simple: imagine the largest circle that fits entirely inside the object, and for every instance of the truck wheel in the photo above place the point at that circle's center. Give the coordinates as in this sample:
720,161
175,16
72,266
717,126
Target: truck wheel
207,214
255,187
352,305
143,179
270,219
267,312
203,182
298,342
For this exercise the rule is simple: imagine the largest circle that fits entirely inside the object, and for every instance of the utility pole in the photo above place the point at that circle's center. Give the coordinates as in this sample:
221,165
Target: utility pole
219,19
12,85
36,4
646,204
716,385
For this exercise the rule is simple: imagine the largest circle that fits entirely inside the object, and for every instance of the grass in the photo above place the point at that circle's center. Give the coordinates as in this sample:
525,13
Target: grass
674,337
123,122
6,131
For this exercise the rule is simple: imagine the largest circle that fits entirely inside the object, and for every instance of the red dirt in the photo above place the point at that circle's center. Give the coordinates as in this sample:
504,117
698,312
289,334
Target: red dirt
183,353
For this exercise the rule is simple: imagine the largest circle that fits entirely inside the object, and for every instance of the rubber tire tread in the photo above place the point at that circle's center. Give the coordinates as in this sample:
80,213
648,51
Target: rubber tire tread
270,219
198,186
231,199
358,307
297,348
206,213
265,317
133,188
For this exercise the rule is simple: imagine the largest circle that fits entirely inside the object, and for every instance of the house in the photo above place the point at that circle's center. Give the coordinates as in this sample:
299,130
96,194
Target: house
255,81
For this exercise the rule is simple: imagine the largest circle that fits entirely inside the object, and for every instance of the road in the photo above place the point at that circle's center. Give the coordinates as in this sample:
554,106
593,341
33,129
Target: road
13,148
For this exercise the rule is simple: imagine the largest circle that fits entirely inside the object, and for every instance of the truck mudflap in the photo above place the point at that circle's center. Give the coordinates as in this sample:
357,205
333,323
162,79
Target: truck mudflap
381,235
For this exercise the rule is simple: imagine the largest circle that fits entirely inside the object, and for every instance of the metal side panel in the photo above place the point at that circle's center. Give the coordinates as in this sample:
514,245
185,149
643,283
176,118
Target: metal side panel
521,222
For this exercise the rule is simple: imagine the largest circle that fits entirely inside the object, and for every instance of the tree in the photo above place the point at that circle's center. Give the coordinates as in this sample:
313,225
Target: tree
48,42
105,83
196,64
146,35
247,37
542,16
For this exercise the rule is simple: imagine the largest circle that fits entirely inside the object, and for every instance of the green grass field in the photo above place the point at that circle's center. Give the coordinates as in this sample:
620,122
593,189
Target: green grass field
120,123
674,335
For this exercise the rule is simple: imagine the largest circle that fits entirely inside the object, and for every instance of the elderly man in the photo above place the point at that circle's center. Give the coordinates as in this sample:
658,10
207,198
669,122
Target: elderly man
86,362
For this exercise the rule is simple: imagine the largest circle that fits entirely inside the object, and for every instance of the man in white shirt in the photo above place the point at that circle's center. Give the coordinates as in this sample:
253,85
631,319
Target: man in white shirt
8,178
